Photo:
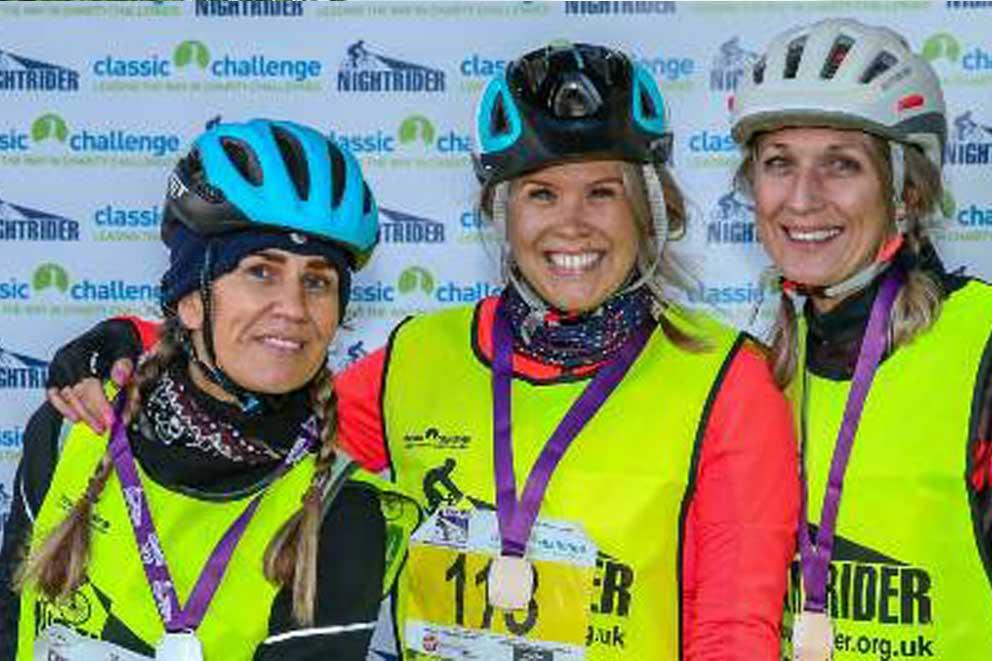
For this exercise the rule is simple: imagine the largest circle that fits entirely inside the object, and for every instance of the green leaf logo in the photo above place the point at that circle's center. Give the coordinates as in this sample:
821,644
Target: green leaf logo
417,127
190,52
416,277
941,45
50,275
49,126
948,206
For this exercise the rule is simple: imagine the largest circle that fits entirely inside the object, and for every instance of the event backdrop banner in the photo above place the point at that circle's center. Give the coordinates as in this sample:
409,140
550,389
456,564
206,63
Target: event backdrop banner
99,99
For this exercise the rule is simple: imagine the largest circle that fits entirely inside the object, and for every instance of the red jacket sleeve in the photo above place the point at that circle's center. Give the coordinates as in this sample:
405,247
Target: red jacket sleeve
359,390
741,524
148,330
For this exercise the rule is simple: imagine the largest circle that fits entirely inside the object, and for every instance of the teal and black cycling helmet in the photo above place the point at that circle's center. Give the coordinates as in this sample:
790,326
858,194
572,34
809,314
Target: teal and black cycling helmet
568,102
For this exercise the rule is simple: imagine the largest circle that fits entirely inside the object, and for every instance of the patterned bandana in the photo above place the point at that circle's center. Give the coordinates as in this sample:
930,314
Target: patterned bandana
575,340
179,416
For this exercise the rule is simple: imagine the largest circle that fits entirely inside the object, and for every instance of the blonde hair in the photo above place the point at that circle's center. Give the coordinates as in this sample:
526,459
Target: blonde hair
670,271
58,565
917,306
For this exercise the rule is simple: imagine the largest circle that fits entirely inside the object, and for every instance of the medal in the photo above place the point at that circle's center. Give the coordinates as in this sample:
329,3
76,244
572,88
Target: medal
812,637
182,646
511,583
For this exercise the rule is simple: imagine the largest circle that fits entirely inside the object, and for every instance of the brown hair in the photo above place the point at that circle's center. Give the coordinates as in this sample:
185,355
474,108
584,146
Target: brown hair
58,564
917,305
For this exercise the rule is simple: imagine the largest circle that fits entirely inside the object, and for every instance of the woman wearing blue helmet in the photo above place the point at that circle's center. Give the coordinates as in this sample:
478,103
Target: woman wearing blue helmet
607,475
192,530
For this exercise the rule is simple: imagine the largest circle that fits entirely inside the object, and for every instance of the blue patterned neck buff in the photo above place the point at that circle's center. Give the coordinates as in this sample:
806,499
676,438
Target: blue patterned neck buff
571,340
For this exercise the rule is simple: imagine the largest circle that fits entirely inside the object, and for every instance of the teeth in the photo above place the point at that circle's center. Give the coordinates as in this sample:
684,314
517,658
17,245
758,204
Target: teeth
282,343
812,235
573,261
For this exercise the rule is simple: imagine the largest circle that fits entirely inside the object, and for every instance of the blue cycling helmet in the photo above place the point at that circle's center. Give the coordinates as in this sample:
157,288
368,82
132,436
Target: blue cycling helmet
273,174
570,102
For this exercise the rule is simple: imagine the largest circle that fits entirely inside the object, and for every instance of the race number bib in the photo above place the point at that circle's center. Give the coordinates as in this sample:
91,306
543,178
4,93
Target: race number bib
62,643
449,615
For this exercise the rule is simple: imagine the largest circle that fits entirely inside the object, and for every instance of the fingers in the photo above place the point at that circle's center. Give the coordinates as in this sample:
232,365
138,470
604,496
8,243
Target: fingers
122,370
84,402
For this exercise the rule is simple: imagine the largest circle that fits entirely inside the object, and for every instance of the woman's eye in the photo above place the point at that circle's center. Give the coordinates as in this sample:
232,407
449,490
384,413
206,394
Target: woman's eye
845,165
775,163
317,283
541,194
604,192
259,271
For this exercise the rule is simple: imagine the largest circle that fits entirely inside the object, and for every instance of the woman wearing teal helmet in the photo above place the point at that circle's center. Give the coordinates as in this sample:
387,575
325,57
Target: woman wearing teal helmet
652,454
193,530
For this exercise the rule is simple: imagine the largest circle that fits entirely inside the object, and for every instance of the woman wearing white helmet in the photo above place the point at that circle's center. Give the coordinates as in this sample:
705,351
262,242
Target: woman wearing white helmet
843,129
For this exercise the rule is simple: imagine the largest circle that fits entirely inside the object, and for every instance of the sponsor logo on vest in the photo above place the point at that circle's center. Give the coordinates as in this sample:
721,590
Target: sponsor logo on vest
20,223
732,220
729,65
401,227
250,8
967,221
21,372
72,611
21,74
618,8
868,587
432,437
364,70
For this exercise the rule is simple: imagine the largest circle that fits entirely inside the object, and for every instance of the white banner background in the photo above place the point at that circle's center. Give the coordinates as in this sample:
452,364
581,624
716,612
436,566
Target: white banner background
98,99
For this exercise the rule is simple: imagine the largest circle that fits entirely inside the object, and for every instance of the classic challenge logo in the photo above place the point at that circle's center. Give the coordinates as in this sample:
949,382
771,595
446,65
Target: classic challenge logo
416,143
957,64
52,291
193,66
364,70
417,289
22,74
52,141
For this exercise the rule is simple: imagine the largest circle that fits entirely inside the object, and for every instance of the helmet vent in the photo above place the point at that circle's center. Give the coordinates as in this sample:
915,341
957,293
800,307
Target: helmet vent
499,123
295,160
793,57
337,174
842,46
758,73
366,199
882,63
244,160
648,109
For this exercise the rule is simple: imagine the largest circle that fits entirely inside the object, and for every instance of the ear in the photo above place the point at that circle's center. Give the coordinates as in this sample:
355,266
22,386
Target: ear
190,311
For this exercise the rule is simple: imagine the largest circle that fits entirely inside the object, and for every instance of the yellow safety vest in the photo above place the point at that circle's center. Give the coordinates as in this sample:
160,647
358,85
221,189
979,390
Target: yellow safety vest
906,580
627,478
115,602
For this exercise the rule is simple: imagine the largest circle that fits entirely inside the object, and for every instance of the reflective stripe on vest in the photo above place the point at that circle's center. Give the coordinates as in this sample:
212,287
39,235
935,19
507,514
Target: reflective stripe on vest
906,578
626,478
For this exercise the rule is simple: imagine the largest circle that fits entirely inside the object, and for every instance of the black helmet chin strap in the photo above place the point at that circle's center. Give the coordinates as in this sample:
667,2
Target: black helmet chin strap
250,402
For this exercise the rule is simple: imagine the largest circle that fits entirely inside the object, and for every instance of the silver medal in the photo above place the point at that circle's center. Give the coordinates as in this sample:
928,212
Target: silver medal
183,646
511,583
812,637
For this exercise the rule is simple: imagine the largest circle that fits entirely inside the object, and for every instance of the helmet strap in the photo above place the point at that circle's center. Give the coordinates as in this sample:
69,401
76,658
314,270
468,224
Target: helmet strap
249,401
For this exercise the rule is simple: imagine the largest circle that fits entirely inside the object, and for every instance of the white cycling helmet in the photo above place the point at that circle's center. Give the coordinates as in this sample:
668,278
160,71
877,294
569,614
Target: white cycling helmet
842,73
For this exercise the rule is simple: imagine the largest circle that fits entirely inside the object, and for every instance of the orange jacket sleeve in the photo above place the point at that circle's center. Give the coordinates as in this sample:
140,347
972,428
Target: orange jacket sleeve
741,523
360,431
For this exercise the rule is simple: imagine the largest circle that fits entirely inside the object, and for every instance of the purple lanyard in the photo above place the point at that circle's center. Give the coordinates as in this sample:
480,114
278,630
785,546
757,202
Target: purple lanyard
517,519
816,559
174,618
